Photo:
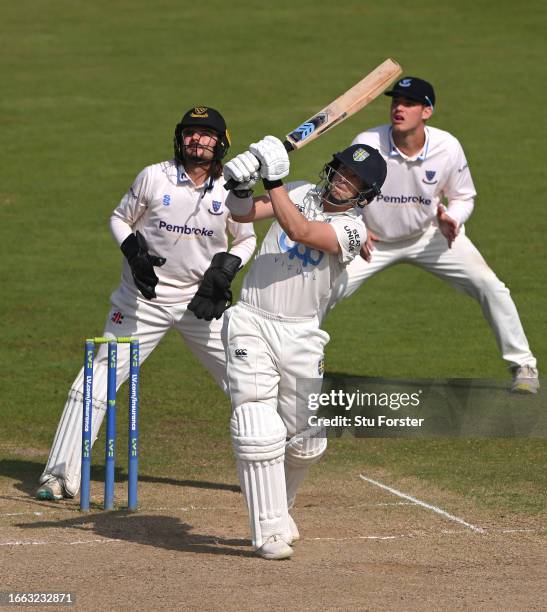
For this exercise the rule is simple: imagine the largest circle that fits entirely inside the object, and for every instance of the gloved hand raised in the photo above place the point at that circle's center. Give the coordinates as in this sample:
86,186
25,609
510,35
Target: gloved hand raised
142,264
243,169
273,158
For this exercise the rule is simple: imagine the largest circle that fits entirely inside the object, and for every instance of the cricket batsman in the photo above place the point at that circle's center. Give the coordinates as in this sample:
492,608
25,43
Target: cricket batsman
272,334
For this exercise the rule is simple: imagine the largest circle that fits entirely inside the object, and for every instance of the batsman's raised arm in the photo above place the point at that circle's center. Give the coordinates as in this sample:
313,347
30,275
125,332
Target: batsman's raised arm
343,185
274,166
268,159
243,170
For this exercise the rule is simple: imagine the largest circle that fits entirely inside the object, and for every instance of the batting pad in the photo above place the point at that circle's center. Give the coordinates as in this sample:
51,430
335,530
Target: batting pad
258,438
300,454
66,453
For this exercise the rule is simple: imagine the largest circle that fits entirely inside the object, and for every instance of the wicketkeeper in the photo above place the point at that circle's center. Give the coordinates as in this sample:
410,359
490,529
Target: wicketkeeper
173,228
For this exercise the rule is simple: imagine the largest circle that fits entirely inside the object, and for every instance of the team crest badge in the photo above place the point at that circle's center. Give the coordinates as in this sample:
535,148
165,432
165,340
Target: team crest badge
405,83
429,176
200,111
360,154
216,205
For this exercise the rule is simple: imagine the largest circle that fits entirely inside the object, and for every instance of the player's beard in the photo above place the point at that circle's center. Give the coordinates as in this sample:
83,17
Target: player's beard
191,155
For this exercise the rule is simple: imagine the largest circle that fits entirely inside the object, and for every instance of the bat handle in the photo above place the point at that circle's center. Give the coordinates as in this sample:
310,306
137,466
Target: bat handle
229,185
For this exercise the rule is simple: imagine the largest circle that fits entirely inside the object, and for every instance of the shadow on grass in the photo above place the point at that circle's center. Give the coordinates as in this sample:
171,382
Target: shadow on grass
158,531
28,473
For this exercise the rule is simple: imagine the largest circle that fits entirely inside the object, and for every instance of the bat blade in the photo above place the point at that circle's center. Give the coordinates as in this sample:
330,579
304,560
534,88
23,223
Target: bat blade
361,94
353,100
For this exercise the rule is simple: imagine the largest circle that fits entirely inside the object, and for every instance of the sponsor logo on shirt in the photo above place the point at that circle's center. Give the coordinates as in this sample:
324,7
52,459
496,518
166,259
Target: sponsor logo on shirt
411,199
186,229
307,255
321,367
429,176
241,353
354,241
166,200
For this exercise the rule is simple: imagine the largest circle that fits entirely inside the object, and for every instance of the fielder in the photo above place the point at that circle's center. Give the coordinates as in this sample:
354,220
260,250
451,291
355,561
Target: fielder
272,334
408,223
170,224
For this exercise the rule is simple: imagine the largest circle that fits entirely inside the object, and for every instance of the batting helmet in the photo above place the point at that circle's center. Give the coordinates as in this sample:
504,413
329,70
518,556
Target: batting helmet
366,163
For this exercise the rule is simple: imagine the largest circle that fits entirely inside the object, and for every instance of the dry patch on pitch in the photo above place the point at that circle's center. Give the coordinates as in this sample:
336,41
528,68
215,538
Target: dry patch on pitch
188,548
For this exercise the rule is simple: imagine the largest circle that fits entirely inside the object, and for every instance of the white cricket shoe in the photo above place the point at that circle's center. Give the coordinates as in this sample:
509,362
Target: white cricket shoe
274,547
525,379
295,534
51,490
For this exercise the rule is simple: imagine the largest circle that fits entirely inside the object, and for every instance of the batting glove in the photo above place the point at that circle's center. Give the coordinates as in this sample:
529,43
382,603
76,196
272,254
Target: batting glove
142,264
273,158
243,169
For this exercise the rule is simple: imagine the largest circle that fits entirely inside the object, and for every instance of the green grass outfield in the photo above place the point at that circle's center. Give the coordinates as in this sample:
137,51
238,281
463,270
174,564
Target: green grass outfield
91,93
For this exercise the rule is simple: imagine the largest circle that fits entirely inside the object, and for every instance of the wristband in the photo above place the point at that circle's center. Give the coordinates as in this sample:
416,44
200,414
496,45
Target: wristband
271,184
242,193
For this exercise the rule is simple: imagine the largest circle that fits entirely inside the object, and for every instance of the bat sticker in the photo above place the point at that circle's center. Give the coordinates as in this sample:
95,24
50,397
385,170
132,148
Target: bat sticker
306,129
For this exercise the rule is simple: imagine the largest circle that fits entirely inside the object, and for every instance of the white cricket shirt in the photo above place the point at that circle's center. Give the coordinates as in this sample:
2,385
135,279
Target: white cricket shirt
181,222
415,186
289,279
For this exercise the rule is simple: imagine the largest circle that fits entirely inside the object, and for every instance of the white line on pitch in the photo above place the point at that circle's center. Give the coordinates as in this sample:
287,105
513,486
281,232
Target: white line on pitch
142,509
358,538
451,517
443,532
43,543
538,530
22,513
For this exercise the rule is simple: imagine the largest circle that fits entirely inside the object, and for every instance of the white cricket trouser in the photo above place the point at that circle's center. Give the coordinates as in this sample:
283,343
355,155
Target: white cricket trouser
267,355
464,268
148,322
268,358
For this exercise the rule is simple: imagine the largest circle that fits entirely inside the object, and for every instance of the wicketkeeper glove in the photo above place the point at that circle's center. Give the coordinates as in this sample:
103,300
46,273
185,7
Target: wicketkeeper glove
142,264
214,295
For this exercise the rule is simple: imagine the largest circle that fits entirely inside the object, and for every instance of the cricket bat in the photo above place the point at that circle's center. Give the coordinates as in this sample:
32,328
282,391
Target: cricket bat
353,100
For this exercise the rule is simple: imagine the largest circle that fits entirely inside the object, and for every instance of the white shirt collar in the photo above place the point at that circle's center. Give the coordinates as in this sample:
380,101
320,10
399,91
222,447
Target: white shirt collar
184,179
394,151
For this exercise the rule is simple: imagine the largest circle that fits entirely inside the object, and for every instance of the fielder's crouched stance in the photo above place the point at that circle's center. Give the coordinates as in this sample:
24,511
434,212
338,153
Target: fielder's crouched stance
410,224
175,209
272,335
